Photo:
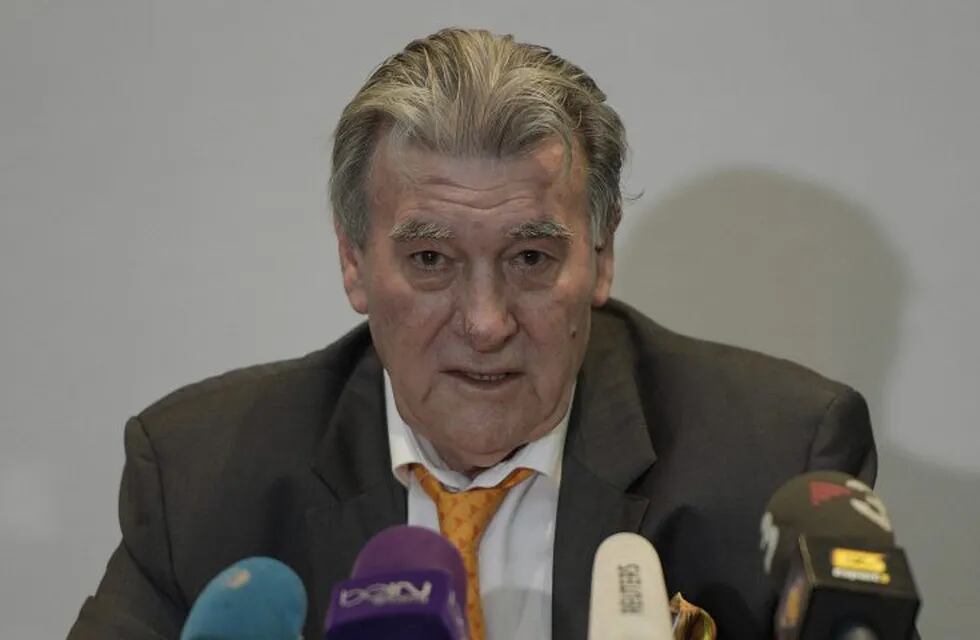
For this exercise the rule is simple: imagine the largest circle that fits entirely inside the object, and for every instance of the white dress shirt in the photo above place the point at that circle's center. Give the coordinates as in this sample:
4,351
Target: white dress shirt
517,548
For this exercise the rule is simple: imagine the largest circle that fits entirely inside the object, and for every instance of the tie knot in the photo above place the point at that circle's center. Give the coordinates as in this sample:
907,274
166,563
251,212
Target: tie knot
464,515
433,487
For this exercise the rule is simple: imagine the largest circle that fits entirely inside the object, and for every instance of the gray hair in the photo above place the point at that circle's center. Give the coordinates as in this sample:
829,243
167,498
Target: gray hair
468,93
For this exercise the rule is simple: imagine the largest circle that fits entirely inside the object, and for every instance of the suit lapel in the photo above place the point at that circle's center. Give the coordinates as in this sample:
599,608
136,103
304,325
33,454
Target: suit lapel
364,498
607,449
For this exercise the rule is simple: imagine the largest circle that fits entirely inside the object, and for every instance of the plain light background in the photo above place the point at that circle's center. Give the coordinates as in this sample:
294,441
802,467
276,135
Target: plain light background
809,178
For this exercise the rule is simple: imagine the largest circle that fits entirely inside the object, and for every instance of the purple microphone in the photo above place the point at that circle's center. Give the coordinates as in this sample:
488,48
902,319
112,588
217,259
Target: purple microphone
408,583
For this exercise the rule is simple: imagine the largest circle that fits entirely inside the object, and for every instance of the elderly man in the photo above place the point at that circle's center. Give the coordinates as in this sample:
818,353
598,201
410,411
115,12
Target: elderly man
475,191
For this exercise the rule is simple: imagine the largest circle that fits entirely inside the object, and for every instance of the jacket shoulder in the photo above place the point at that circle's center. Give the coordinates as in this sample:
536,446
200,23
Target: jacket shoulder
306,382
676,359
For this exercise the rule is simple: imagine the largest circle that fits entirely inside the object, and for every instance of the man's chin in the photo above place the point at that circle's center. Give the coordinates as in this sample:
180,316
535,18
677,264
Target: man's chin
471,462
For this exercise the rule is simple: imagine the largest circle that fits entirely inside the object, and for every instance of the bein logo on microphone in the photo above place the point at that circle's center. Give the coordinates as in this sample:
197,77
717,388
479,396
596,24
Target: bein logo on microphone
386,593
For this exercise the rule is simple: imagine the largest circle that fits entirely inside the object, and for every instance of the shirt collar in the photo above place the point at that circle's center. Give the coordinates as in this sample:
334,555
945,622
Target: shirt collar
406,447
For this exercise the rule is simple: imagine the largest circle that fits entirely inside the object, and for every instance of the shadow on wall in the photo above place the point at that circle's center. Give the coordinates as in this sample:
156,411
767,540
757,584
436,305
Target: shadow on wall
770,262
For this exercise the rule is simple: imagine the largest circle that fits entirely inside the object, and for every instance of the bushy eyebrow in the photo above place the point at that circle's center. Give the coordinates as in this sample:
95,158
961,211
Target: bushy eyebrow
413,229
536,229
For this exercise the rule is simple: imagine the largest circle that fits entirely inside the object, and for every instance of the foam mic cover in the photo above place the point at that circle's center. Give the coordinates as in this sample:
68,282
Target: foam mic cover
254,599
827,503
629,599
408,583
828,544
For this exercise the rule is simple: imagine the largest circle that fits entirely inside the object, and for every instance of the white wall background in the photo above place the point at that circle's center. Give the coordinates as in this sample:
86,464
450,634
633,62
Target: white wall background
810,188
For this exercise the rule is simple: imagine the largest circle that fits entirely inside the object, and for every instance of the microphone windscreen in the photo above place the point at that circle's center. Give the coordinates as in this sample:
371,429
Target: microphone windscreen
409,548
407,583
629,597
254,599
820,503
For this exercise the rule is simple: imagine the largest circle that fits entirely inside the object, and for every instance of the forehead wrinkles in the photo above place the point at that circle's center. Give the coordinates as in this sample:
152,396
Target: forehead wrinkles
413,180
452,197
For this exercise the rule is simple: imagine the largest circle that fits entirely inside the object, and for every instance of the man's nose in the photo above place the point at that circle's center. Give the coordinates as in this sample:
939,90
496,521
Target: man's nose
486,318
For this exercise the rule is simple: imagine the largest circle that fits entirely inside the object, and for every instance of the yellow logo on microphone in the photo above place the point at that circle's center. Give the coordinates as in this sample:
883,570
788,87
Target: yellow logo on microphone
859,566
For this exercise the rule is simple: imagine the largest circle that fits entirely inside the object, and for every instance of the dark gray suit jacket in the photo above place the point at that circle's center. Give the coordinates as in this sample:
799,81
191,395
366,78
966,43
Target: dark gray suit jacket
678,439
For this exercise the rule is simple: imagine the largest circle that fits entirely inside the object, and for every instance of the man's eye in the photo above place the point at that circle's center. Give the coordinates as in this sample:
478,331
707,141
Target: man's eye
428,260
531,258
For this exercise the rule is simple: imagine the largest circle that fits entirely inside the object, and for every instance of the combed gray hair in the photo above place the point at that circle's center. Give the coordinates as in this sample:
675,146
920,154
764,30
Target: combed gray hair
468,93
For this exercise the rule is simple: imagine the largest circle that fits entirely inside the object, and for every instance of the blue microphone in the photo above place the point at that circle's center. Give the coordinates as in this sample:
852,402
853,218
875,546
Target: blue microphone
254,599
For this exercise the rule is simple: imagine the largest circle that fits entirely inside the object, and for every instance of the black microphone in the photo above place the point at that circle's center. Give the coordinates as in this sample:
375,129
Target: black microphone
828,544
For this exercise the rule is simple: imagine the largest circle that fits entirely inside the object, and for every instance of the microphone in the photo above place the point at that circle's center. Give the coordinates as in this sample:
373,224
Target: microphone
254,599
828,544
408,583
629,598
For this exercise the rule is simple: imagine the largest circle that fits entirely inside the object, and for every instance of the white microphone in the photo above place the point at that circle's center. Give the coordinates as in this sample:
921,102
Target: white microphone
629,597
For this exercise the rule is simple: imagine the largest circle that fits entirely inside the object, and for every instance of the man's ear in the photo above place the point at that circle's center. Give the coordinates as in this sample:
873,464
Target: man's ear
605,267
605,270
353,270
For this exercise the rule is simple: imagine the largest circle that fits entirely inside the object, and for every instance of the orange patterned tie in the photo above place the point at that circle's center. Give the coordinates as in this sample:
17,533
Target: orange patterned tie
463,516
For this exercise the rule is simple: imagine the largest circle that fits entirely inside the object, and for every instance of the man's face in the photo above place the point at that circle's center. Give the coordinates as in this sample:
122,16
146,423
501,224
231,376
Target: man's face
478,277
